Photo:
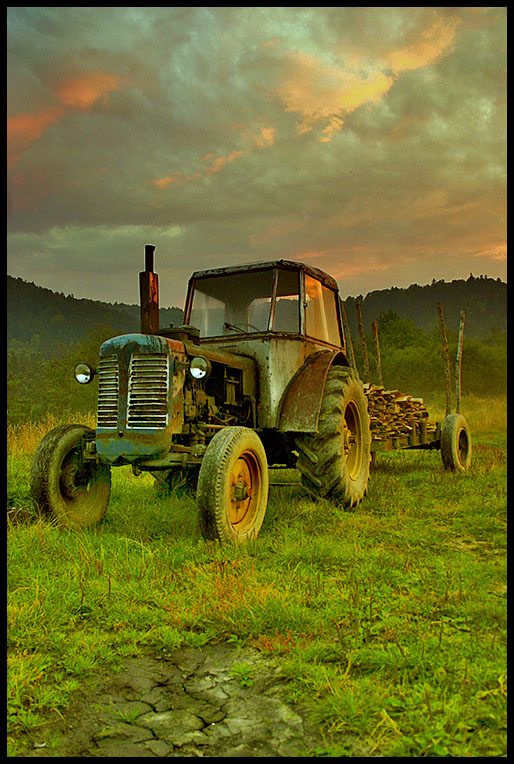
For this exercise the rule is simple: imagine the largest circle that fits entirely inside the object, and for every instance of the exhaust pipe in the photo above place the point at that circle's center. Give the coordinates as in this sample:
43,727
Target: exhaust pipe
149,294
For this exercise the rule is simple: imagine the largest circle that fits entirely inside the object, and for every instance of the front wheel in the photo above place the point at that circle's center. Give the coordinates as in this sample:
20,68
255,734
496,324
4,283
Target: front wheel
73,491
232,492
456,443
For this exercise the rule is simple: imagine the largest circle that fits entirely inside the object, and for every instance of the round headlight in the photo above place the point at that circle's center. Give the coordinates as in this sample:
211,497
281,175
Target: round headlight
199,367
84,373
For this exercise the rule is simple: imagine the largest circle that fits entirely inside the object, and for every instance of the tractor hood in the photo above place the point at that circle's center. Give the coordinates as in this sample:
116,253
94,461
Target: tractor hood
141,380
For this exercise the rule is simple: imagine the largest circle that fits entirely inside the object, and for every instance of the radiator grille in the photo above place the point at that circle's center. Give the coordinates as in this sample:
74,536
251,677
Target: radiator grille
108,390
148,390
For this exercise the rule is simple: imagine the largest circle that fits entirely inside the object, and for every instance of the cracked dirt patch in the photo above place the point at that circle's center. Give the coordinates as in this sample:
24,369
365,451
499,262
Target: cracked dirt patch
218,700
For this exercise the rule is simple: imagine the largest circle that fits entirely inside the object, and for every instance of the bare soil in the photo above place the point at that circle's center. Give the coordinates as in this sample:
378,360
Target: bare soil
219,700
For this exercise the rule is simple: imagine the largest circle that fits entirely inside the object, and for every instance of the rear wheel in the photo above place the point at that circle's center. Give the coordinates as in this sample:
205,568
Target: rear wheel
455,443
73,491
232,492
335,461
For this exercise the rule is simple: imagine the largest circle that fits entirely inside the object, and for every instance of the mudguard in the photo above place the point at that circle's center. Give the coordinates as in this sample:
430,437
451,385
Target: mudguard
300,406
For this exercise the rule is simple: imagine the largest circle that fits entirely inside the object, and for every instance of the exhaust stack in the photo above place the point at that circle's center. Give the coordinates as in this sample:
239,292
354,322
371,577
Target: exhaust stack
149,294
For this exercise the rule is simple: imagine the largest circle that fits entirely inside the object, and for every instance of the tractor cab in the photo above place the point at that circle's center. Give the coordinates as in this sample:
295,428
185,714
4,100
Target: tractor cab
280,297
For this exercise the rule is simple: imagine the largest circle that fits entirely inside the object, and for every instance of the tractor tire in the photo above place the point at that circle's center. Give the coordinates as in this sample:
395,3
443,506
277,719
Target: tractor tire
74,492
335,461
232,492
455,443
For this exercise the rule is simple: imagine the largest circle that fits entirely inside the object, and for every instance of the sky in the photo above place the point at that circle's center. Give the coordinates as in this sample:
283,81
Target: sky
368,142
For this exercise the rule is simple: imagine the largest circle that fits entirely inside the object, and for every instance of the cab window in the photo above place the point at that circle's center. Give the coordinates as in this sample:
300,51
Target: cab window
321,321
287,305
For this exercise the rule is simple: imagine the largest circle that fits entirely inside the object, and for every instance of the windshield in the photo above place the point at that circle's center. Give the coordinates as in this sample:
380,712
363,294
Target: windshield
240,303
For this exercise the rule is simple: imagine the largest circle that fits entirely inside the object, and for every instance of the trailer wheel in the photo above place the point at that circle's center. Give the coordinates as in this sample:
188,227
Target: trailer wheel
74,492
232,492
335,461
455,443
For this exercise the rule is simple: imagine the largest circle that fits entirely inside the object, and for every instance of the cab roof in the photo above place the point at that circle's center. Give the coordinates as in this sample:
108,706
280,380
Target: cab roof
315,273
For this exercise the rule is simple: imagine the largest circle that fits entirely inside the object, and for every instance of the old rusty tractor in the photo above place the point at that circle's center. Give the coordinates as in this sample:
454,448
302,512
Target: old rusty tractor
258,375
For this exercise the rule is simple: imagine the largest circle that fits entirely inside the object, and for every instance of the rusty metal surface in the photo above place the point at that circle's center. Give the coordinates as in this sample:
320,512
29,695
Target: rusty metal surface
216,354
278,359
149,294
299,410
119,439
278,355
152,412
316,273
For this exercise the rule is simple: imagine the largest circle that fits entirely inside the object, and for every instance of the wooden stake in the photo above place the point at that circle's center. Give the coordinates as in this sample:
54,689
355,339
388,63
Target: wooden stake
363,340
374,329
458,362
446,358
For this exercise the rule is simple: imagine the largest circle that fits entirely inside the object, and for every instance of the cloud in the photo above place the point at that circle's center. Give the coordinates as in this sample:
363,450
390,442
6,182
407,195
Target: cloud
76,93
214,164
433,42
319,92
368,138
23,129
83,91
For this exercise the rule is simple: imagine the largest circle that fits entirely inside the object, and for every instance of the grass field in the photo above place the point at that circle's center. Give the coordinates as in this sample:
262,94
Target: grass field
390,621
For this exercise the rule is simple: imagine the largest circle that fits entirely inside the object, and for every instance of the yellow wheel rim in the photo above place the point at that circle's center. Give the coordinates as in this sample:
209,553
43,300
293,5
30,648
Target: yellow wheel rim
353,440
243,496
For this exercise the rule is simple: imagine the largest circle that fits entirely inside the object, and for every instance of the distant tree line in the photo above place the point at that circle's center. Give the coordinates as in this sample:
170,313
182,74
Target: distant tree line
48,334
412,359
53,322
484,301
39,384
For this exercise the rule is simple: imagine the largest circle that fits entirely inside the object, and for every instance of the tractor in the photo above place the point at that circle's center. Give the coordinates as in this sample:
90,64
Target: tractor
257,376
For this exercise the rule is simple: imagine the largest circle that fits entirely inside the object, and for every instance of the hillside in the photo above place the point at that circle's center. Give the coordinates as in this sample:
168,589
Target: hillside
54,323
484,301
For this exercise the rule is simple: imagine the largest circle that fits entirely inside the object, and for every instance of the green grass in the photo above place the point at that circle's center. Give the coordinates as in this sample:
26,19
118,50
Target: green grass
390,621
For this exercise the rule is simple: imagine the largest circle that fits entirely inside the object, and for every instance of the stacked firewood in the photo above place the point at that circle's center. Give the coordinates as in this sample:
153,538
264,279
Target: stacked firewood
393,414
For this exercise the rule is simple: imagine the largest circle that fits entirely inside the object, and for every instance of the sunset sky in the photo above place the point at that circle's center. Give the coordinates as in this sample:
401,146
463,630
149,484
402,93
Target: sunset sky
369,142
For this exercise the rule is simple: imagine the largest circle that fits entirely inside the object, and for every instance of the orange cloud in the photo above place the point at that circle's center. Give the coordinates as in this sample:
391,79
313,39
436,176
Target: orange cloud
84,91
433,43
220,162
217,164
277,230
166,181
76,93
263,137
346,262
320,92
260,136
23,129
495,252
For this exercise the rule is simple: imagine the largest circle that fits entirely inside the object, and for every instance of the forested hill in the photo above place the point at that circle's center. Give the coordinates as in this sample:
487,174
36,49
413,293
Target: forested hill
484,301
53,323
